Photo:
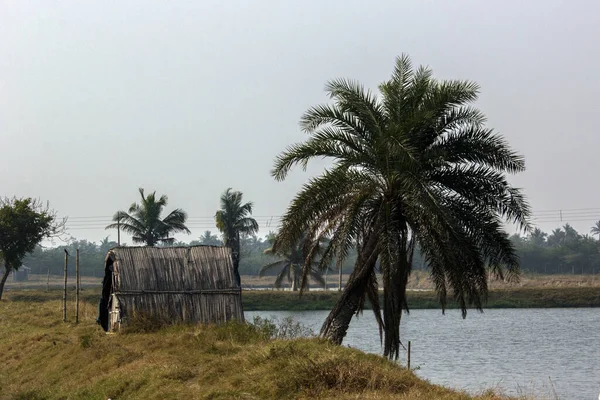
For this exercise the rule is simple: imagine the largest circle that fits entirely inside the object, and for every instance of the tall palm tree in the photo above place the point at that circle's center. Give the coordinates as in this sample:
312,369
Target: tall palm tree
143,221
596,229
411,166
233,220
291,264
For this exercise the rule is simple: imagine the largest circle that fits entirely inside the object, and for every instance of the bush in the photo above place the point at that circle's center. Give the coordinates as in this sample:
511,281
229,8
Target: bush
287,328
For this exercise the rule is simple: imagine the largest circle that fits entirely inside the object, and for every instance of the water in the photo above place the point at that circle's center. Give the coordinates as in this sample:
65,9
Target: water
518,351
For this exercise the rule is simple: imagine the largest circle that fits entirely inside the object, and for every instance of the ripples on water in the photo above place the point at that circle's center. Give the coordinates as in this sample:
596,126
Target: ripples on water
518,351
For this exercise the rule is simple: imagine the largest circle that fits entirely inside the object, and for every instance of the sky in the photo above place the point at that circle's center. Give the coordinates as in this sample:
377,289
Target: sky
188,98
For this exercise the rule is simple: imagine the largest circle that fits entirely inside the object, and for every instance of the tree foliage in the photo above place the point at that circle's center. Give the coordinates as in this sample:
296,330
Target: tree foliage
143,221
563,251
291,263
208,239
24,223
413,165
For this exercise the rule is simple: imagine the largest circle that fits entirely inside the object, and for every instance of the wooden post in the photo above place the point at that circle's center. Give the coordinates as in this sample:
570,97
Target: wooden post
340,280
48,281
65,288
408,358
77,287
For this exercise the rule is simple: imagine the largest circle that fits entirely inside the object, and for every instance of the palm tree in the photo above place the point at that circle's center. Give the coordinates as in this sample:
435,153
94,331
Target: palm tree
208,239
143,221
233,220
596,229
556,238
106,244
291,265
412,166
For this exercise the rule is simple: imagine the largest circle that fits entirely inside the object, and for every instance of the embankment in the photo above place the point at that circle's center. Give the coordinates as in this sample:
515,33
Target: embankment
43,358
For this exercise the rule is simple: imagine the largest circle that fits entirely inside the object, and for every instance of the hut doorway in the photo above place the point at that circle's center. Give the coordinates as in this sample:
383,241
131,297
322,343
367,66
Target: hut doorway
105,300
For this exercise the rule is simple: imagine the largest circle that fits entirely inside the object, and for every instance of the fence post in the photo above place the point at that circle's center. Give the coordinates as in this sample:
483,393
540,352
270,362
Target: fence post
408,361
77,287
65,288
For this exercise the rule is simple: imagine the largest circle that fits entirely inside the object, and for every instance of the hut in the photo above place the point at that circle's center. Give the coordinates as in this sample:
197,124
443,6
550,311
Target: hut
178,284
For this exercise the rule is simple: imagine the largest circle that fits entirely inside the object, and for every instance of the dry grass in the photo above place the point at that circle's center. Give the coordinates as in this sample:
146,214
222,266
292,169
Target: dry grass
421,280
43,358
417,280
55,282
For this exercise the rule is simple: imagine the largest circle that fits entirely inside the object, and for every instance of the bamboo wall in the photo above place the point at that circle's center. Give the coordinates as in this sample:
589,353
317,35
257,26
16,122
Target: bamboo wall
179,284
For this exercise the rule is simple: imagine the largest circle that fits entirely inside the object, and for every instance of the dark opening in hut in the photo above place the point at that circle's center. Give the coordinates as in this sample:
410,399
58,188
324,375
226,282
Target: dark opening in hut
175,284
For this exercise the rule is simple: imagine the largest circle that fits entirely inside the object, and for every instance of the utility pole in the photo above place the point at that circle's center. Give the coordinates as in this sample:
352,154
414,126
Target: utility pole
340,279
65,288
119,231
77,287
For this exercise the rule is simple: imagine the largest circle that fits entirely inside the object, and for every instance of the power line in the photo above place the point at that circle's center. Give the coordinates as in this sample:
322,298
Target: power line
99,222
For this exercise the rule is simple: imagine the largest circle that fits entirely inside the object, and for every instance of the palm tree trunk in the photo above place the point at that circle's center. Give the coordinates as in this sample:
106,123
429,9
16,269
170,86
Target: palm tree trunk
336,325
339,319
294,285
235,258
7,270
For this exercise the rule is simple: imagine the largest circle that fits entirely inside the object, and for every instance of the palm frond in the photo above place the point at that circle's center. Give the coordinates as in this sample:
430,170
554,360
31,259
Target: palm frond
271,266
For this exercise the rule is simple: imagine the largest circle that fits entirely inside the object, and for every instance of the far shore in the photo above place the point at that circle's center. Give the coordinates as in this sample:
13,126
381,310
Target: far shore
285,300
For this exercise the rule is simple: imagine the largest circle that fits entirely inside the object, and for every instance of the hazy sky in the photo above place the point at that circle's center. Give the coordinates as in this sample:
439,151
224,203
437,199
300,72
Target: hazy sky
191,97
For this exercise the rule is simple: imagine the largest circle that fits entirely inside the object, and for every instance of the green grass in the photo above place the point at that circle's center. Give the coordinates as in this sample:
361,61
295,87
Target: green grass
277,300
43,358
270,300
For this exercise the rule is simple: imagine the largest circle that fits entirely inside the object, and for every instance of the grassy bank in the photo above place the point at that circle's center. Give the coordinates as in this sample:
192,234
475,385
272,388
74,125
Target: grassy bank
43,358
269,300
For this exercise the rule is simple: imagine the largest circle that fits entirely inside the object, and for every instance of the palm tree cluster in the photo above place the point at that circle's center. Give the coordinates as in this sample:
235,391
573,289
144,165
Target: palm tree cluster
143,221
413,165
563,251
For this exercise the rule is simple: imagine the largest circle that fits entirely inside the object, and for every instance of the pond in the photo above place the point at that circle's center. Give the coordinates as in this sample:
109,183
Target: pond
535,352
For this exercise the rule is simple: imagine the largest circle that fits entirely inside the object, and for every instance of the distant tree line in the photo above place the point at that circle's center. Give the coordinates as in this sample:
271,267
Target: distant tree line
562,251
92,254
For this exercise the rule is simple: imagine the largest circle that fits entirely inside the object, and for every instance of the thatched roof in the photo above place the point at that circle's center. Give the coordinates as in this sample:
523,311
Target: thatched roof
172,269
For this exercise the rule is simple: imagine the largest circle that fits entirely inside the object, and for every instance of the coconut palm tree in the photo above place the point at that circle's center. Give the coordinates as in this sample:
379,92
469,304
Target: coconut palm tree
208,239
411,166
556,238
537,237
143,221
596,229
233,220
291,265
